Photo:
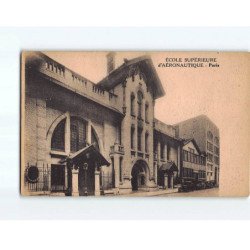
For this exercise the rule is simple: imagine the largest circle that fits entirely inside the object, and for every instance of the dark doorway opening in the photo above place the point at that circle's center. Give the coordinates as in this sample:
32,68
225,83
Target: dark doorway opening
139,171
57,178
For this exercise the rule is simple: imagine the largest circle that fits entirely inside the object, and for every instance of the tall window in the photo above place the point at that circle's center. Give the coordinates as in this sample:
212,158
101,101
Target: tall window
139,137
120,168
210,135
139,98
210,157
216,139
132,134
58,137
132,104
146,142
113,172
94,140
77,134
146,112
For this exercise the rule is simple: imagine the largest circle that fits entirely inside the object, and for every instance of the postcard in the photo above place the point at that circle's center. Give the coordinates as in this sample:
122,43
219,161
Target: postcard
135,124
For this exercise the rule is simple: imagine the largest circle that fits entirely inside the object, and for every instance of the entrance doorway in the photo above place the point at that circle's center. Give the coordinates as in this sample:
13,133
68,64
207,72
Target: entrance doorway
139,175
86,179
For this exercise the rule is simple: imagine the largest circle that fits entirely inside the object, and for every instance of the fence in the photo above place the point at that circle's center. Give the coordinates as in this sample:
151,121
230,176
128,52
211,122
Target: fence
39,179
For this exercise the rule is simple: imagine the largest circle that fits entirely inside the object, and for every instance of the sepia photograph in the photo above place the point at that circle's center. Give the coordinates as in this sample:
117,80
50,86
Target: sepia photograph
134,124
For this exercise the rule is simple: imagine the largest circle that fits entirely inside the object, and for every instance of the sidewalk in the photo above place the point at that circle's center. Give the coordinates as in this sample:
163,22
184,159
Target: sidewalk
152,193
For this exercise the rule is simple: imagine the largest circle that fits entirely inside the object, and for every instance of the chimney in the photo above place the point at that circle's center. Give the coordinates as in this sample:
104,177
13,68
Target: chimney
110,62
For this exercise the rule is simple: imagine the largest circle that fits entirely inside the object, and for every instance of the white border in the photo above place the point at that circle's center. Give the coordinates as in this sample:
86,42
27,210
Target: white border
13,40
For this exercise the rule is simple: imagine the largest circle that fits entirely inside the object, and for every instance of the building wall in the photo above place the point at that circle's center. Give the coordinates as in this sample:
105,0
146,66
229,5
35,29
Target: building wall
124,90
198,128
192,165
42,110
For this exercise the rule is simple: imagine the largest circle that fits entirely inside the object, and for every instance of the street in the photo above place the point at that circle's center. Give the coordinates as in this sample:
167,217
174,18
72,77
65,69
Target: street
213,192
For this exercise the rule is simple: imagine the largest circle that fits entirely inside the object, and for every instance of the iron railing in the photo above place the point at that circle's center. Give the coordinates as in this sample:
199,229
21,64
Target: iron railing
43,181
107,181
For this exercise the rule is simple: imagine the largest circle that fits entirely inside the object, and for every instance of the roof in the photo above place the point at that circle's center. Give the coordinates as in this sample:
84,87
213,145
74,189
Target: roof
82,87
185,142
168,167
196,118
164,128
82,154
120,74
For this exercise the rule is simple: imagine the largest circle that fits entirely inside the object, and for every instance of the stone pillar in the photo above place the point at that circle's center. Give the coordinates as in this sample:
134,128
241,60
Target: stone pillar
172,181
165,152
75,190
165,181
116,169
89,132
135,138
41,131
158,152
155,172
179,160
97,183
66,177
67,134
143,140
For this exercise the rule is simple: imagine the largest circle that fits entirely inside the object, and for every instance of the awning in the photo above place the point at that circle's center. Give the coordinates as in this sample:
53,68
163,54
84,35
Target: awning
89,153
168,167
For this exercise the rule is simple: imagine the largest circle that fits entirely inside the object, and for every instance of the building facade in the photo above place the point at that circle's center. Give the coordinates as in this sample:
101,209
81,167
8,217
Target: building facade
193,162
85,138
206,135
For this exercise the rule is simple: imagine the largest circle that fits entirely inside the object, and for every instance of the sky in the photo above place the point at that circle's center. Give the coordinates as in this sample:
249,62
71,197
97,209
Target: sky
221,93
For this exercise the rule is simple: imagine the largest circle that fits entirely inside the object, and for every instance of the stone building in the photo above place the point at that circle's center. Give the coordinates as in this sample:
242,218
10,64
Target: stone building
85,138
206,134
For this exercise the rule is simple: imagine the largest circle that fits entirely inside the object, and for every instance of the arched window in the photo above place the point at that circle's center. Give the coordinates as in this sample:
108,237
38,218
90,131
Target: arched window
77,134
146,112
139,99
132,104
58,137
146,142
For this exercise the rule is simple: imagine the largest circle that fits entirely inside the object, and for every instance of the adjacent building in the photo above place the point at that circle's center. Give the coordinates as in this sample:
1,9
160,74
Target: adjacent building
206,135
85,138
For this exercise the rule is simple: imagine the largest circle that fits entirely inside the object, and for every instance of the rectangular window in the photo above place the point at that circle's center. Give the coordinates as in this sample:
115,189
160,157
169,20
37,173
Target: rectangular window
132,137
120,168
216,150
210,146
210,157
139,137
146,142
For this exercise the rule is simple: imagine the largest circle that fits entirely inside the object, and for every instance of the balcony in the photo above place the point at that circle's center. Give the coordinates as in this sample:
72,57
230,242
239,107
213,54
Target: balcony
140,154
133,152
67,78
117,149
